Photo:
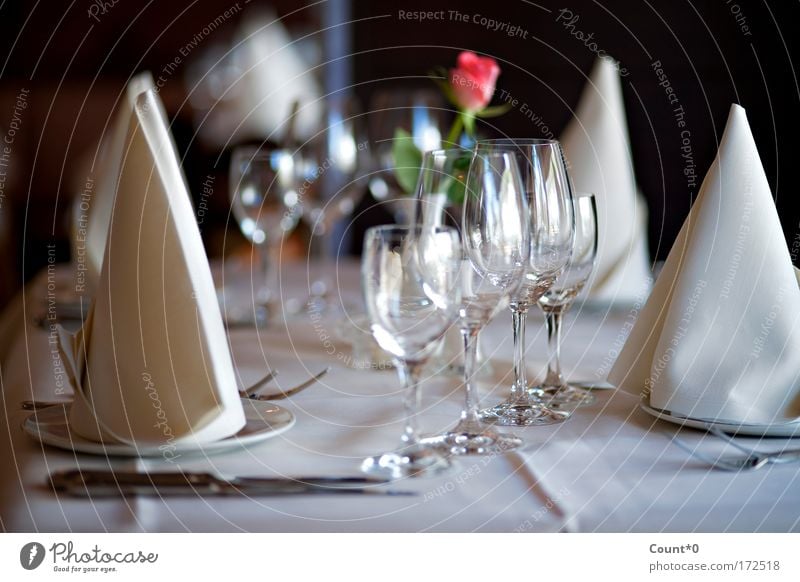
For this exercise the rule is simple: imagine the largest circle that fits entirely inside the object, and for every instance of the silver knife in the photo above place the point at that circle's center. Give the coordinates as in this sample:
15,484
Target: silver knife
101,483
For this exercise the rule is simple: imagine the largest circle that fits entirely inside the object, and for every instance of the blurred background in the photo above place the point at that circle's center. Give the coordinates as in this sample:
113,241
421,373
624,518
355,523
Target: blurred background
65,65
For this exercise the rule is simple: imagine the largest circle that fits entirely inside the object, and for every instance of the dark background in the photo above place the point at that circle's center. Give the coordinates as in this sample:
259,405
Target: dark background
75,68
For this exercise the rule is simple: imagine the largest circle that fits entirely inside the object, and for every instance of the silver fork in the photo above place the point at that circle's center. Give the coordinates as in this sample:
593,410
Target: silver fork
280,394
751,461
746,463
254,389
777,457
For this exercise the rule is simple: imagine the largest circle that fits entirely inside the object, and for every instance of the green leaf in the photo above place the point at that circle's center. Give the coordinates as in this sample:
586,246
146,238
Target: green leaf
407,160
495,111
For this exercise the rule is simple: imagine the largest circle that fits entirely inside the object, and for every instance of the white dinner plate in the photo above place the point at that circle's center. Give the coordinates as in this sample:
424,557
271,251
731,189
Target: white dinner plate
265,420
777,429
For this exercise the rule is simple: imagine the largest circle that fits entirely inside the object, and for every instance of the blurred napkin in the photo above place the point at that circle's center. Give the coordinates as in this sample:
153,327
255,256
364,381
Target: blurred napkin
719,337
597,148
151,364
270,76
101,204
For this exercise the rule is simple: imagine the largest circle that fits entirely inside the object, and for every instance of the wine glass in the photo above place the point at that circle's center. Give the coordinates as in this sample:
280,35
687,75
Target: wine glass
412,292
560,297
335,168
495,233
551,223
265,202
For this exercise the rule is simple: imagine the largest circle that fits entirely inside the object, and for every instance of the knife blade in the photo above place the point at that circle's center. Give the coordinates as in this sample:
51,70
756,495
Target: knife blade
100,483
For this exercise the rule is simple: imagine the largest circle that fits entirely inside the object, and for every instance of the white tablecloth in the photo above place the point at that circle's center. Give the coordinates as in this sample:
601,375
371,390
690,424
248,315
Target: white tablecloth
610,467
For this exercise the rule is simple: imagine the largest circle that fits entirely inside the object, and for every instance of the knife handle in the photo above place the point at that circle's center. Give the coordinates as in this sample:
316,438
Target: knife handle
104,483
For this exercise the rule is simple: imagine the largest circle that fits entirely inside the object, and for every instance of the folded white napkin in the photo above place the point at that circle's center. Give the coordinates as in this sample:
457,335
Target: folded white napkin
152,364
257,103
101,202
597,148
719,337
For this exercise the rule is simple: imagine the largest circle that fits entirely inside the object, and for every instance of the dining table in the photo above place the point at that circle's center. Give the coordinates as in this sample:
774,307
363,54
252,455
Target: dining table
610,467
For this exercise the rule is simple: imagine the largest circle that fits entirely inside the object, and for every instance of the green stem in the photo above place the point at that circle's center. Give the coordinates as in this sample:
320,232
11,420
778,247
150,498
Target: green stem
455,132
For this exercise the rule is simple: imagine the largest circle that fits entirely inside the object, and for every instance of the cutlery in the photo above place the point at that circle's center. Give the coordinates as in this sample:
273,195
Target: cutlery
114,484
783,456
750,462
280,394
742,463
250,393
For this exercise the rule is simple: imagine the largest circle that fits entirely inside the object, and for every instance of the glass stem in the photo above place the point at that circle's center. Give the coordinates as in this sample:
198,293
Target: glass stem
519,314
410,373
262,261
322,250
553,319
319,246
470,336
322,243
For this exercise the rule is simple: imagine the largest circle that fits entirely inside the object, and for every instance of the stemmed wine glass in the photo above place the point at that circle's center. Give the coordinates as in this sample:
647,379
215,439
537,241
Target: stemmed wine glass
265,202
411,286
551,223
560,297
496,236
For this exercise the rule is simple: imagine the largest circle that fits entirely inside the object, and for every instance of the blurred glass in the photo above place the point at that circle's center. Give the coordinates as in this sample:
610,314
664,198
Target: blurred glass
336,164
265,202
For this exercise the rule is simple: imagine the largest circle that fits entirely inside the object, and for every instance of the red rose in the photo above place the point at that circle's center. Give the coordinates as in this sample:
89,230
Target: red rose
472,81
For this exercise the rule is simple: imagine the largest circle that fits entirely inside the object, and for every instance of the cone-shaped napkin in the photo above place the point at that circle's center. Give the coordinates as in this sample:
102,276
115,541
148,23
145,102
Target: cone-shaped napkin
597,148
719,337
102,201
151,364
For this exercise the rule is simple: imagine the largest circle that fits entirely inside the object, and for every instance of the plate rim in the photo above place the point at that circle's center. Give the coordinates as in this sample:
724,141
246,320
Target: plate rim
85,446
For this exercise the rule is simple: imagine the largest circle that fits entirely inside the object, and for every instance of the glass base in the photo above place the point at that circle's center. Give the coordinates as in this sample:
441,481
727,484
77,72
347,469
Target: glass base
412,461
469,438
563,397
523,411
